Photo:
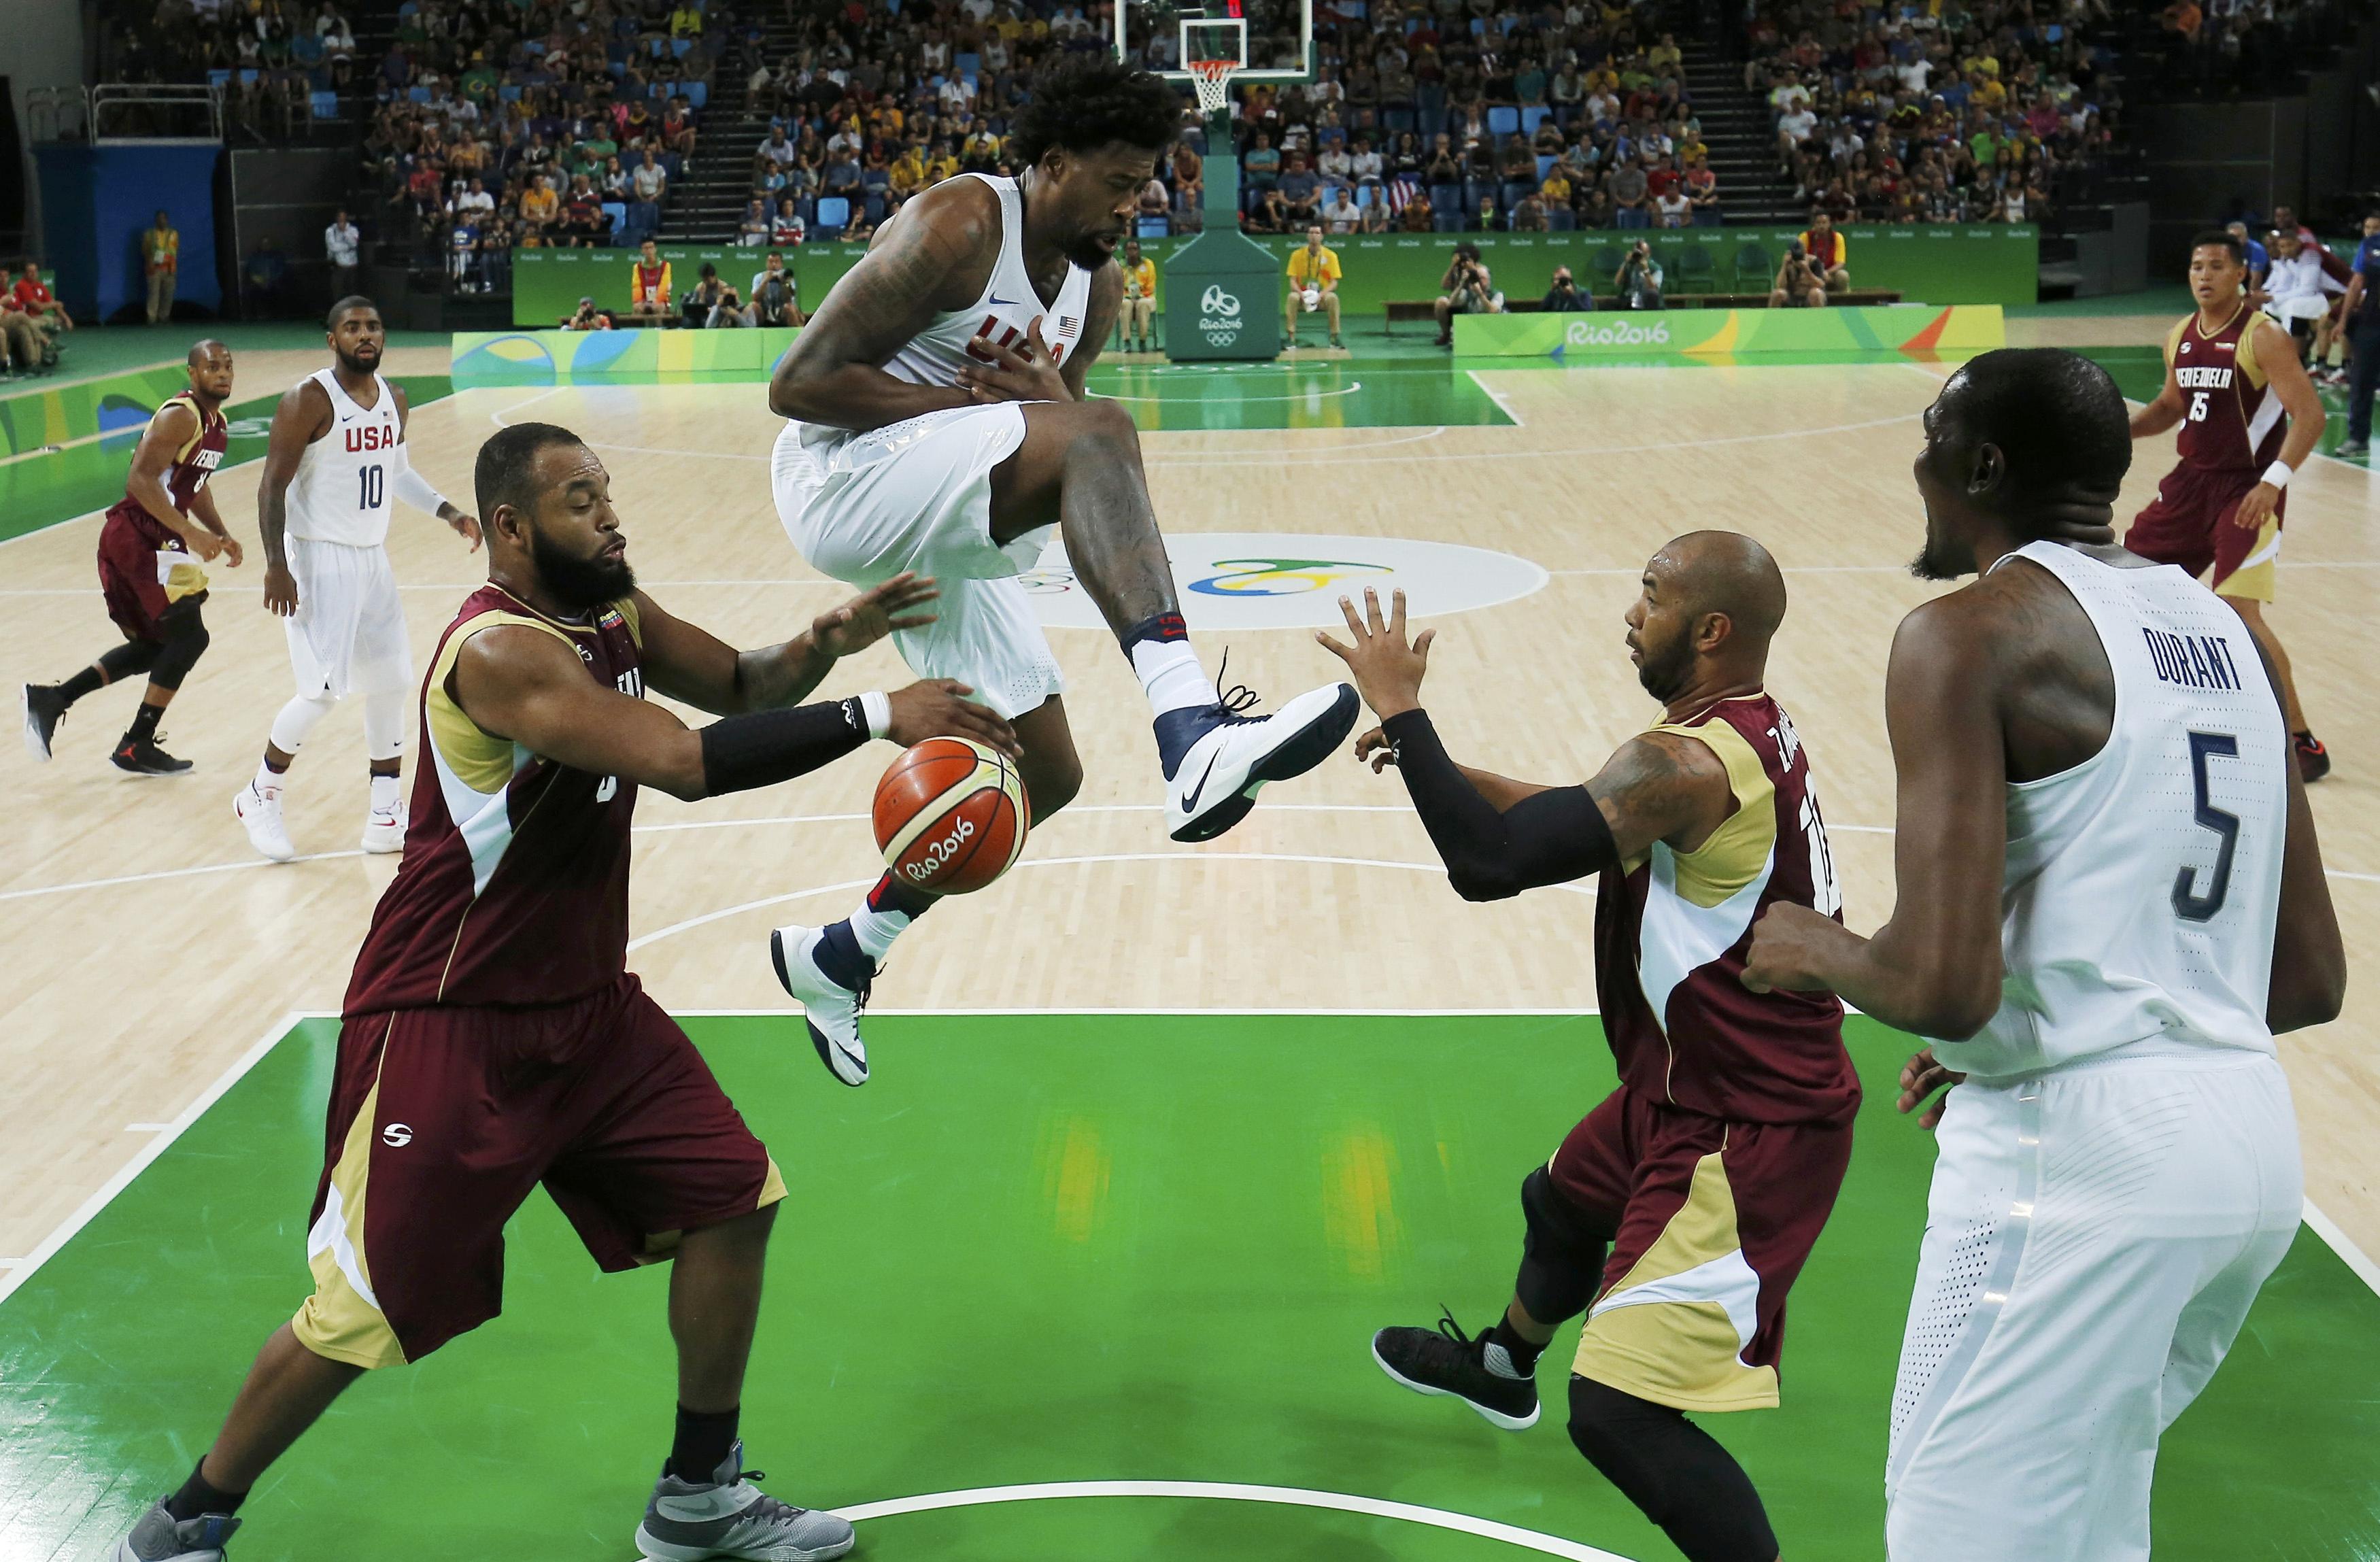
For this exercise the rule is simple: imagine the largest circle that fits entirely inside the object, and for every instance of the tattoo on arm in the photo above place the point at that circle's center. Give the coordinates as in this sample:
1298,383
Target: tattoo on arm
1662,786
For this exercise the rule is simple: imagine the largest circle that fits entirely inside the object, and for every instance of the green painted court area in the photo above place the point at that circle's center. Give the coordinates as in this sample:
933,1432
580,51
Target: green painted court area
1054,1249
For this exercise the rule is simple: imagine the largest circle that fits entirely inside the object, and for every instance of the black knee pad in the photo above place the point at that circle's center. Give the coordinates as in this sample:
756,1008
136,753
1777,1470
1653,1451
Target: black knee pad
1674,1472
186,641
1562,1256
129,659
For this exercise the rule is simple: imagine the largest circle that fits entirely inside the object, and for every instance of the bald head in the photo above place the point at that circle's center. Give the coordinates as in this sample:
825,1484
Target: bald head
1726,572
1712,602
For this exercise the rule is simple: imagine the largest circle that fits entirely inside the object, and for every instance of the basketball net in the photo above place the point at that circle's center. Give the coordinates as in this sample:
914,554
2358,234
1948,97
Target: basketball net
1212,78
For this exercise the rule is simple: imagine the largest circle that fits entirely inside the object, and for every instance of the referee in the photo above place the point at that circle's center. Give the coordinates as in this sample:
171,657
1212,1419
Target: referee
2361,313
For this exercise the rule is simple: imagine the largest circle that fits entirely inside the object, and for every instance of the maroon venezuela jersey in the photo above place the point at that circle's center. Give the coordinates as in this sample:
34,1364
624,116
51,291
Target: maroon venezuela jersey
513,891
193,465
2231,416
1672,929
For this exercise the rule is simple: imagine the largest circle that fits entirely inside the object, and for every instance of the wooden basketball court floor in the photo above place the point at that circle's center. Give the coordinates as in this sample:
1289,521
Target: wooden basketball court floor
155,965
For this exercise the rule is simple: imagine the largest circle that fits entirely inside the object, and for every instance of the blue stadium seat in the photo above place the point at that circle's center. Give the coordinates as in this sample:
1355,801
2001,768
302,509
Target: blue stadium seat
508,94
418,94
1545,162
1154,228
325,106
696,93
247,79
1503,120
874,207
1533,117
833,214
1366,195
615,216
681,48
219,78
969,63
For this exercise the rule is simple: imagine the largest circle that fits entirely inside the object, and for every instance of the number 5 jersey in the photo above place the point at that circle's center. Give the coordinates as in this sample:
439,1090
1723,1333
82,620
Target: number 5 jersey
2142,886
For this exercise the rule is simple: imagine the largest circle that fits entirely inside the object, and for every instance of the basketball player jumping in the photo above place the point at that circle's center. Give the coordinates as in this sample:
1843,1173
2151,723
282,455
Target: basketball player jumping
940,426
2110,900
493,1038
337,456
2250,417
1708,1174
150,549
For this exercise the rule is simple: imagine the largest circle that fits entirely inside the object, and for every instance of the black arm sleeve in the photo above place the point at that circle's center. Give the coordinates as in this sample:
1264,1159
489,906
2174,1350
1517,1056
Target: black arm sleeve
767,747
1549,838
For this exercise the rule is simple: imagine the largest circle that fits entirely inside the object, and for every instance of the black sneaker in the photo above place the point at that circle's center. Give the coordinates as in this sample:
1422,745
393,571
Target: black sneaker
1443,1361
2314,760
44,707
141,757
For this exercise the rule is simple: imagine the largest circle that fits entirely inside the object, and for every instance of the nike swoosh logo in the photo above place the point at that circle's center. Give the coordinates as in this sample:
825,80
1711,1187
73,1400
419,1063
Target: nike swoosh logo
998,299
1190,798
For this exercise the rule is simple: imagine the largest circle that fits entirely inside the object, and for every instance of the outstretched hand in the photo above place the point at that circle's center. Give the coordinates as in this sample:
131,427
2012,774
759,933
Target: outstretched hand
933,707
1021,370
874,613
1386,670
1920,1077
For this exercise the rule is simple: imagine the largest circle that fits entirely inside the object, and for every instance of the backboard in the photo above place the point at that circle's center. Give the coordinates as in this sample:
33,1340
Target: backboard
1272,39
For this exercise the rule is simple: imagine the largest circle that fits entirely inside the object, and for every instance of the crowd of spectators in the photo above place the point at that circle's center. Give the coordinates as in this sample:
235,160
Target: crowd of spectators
272,59
535,123
2237,47
1964,111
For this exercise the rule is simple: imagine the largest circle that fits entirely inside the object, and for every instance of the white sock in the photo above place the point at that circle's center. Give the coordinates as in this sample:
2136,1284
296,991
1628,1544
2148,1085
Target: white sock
384,794
874,930
268,780
1171,676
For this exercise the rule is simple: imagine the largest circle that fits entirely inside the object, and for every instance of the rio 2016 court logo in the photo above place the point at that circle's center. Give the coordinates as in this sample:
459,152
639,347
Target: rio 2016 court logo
1618,333
1289,580
1218,316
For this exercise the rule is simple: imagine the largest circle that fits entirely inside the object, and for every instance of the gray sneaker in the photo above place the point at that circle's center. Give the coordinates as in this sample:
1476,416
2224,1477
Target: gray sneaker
158,1536
728,1516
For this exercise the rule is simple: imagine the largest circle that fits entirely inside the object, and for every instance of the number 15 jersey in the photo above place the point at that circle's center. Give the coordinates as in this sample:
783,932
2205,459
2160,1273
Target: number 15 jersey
340,493
2142,886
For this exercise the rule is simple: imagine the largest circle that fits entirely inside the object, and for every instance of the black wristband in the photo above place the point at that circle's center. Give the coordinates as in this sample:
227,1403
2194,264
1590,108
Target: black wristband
767,747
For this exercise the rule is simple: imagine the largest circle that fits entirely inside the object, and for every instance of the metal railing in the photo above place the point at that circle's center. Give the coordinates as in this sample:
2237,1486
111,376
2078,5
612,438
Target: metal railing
155,110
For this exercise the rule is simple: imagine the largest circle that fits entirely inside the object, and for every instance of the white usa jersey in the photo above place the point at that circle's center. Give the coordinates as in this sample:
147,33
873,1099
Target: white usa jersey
341,492
2144,885
1008,306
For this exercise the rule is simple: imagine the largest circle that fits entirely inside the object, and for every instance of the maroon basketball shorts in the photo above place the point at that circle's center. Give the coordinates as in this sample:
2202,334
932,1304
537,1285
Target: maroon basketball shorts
140,577
2189,524
442,1121
1715,1220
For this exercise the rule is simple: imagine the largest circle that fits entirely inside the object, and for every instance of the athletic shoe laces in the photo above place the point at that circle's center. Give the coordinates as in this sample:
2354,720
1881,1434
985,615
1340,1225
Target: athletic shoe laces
1239,697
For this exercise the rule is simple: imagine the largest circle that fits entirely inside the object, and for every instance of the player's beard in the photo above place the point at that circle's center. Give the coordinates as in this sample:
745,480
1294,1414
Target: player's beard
1939,559
1665,670
355,365
577,584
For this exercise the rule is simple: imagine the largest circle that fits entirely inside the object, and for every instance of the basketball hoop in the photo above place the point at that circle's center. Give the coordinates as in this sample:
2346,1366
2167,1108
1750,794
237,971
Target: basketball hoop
1212,78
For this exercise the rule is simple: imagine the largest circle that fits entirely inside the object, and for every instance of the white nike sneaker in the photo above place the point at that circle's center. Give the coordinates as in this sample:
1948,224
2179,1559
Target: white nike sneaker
728,1515
1217,760
261,814
830,1008
384,828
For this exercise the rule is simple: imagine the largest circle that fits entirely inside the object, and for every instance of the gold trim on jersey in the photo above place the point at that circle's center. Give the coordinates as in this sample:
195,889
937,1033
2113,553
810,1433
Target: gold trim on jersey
2255,578
185,399
661,1246
481,760
1674,1327
1738,850
342,1321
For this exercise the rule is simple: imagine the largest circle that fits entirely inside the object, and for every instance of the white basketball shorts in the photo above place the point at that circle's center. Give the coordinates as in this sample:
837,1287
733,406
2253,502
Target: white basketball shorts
917,495
2093,1241
347,635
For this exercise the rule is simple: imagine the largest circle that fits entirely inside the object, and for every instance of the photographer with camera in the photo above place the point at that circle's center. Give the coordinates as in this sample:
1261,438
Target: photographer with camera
774,298
1564,297
1800,282
1638,280
711,304
1469,290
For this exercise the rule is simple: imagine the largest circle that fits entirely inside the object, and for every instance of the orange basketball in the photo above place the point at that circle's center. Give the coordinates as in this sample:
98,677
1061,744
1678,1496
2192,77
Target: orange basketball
949,816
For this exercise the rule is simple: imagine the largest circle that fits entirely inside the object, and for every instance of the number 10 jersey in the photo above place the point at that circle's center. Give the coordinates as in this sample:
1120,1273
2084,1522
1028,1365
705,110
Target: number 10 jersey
2142,886
340,493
